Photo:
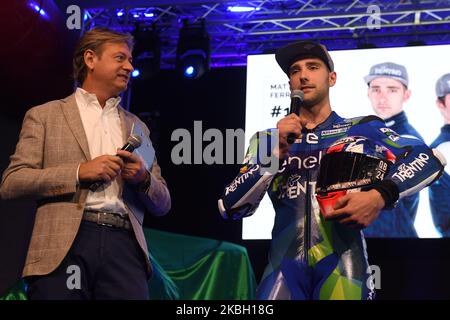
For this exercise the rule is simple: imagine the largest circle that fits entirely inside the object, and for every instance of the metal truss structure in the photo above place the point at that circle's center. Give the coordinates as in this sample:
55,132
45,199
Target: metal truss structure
273,23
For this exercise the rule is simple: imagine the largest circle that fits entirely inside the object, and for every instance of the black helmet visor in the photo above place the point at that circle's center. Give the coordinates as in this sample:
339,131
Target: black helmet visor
347,170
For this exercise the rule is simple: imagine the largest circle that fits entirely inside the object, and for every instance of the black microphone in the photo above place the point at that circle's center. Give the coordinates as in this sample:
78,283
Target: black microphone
132,143
296,101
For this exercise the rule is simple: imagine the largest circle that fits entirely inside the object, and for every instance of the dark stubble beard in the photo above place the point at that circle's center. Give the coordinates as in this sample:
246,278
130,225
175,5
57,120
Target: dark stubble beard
316,99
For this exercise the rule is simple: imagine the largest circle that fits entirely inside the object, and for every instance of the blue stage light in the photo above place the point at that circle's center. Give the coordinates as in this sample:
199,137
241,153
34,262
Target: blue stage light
242,9
38,9
135,73
189,72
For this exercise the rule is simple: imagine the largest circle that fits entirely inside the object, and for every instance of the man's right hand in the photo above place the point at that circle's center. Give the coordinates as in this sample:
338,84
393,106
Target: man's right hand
103,168
287,125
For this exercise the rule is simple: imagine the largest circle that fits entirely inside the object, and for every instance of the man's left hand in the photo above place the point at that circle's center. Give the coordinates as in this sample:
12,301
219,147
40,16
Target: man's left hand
133,171
358,209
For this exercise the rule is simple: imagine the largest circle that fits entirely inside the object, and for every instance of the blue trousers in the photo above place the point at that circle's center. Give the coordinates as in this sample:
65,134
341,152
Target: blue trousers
103,263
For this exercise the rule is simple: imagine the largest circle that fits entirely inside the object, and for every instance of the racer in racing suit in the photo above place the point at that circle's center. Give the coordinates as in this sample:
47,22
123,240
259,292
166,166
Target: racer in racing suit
440,190
388,90
312,257
399,221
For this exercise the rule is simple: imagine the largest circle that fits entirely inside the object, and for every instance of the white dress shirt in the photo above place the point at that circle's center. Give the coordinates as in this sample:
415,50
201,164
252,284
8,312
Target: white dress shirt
104,136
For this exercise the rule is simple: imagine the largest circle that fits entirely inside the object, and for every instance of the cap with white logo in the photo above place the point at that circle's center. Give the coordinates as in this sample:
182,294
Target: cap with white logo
388,70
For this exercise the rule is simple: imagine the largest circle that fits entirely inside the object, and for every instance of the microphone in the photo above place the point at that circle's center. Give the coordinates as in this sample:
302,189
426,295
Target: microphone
133,142
296,101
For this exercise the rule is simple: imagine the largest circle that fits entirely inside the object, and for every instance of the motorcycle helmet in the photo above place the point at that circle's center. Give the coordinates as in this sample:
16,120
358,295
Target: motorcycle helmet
351,164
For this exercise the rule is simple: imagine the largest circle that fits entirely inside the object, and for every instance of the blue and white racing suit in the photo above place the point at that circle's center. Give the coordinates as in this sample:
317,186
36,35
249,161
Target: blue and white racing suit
439,191
399,221
310,258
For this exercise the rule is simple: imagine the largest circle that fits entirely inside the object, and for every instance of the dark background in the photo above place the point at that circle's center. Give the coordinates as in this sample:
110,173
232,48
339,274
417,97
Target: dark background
36,68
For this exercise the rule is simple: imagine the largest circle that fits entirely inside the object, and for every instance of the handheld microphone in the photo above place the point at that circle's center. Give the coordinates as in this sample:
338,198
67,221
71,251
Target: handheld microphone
133,142
296,101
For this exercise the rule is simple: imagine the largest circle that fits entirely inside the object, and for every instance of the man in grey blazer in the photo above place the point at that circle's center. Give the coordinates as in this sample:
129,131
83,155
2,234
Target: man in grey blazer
87,244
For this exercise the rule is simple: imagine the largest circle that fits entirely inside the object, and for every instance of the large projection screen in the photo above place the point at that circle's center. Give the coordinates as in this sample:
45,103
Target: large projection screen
268,89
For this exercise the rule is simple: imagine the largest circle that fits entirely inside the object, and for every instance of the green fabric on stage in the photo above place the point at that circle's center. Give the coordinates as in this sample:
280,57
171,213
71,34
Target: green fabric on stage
203,268
190,268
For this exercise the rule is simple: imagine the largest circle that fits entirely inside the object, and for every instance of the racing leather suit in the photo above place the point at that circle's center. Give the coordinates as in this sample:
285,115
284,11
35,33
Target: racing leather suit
398,222
440,190
310,258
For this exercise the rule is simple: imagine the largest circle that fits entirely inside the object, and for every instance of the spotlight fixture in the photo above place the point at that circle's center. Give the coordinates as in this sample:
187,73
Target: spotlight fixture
193,50
146,53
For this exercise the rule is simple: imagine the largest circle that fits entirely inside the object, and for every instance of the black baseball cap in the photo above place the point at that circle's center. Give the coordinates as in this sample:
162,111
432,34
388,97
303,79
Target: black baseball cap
292,52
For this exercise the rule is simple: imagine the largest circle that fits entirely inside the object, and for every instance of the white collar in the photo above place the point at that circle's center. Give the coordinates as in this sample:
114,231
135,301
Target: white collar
90,98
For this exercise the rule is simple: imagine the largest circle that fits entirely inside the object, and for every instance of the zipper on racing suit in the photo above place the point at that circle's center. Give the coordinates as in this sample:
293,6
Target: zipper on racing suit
307,222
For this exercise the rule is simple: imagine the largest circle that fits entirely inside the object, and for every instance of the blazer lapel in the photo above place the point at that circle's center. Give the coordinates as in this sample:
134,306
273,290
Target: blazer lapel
72,115
126,192
125,124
